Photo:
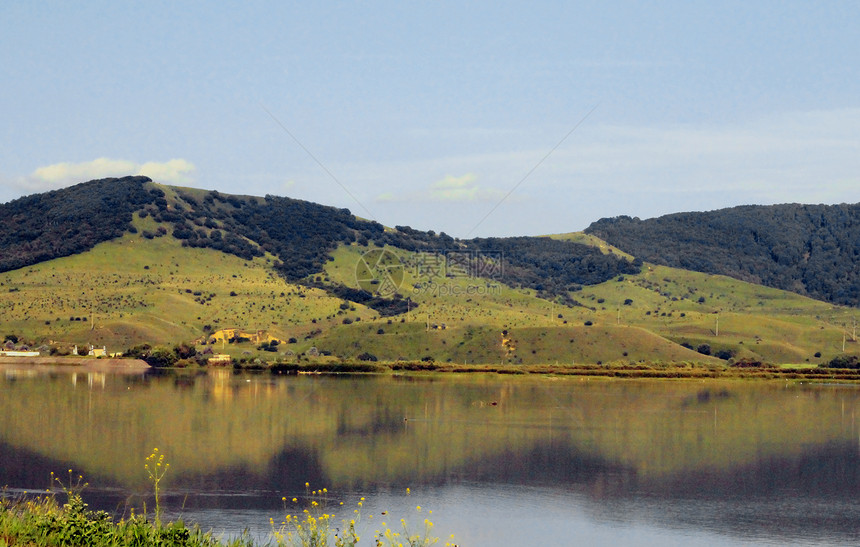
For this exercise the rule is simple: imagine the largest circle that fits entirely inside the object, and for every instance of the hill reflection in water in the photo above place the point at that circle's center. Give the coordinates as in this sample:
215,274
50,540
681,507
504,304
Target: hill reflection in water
736,459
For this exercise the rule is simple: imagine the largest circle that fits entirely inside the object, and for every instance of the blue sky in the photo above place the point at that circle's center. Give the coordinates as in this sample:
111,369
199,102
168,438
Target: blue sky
449,116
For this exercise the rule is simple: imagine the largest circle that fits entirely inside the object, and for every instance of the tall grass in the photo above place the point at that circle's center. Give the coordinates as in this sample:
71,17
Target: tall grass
156,468
43,521
316,525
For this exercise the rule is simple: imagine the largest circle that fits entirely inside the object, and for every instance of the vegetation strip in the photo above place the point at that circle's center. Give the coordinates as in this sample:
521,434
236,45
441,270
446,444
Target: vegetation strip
40,521
674,370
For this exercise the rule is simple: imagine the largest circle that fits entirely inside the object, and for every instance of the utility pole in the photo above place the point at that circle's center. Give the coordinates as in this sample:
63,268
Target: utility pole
717,328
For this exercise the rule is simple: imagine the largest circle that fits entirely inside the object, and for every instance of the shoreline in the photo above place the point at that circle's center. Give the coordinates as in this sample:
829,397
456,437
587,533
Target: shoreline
627,371
74,364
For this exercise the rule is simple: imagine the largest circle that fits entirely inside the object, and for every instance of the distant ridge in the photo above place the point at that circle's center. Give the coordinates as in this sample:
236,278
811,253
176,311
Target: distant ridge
813,250
300,234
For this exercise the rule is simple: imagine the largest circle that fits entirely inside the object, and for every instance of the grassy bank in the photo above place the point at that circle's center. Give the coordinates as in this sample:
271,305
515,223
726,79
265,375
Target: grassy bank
616,369
42,521
611,370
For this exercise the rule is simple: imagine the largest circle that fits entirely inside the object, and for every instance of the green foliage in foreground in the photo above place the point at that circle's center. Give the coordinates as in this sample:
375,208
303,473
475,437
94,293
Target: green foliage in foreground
44,522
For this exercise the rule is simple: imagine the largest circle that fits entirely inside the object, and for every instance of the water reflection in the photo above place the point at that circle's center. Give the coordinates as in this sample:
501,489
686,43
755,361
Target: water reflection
772,460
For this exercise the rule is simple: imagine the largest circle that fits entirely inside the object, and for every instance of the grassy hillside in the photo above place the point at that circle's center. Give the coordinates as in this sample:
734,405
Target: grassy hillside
471,344
727,314
135,289
192,262
469,320
298,235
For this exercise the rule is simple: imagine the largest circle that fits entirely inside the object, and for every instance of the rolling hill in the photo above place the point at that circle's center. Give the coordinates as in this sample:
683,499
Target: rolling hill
813,250
166,265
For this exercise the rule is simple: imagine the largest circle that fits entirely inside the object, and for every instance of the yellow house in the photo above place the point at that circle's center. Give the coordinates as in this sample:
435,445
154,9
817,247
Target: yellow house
224,335
97,352
258,337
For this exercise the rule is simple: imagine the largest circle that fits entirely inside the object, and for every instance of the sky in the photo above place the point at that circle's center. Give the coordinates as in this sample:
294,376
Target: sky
469,118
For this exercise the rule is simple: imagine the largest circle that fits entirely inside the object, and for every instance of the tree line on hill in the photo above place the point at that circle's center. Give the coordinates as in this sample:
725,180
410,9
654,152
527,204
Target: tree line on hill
813,250
69,221
553,267
301,234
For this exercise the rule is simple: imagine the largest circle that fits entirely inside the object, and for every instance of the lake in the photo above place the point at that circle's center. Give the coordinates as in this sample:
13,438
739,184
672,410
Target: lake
500,460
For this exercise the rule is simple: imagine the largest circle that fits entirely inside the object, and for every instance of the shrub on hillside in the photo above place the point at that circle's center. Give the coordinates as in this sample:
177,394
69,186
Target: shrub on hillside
724,354
749,362
161,357
843,361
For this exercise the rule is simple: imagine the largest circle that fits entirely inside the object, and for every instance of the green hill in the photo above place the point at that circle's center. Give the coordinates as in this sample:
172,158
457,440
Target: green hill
322,281
300,235
813,250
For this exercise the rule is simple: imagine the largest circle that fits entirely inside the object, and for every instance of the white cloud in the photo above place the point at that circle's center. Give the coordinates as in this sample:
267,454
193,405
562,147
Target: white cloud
607,170
62,174
176,171
462,189
452,182
58,175
453,188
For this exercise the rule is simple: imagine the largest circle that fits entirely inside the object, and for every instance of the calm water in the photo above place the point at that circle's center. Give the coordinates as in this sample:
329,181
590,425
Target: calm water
499,460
